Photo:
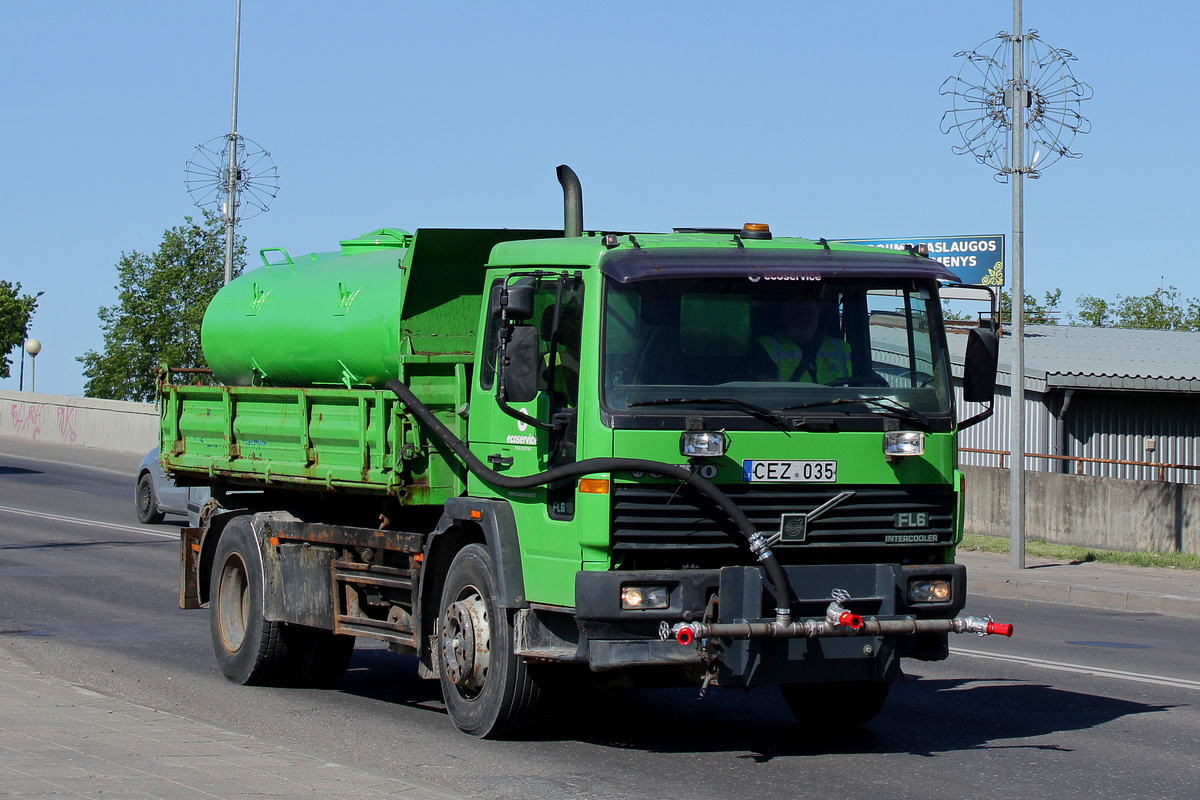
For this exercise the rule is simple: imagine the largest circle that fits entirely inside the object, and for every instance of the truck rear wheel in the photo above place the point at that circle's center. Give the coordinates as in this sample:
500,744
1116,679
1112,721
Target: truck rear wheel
488,690
249,649
841,705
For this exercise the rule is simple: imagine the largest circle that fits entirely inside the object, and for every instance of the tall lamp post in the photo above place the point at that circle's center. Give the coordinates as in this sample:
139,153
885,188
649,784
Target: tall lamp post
33,347
1016,98
232,174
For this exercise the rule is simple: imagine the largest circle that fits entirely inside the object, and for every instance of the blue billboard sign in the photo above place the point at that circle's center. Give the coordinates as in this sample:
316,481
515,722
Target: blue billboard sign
976,259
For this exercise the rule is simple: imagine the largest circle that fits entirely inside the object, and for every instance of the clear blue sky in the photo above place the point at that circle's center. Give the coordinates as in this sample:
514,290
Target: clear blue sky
820,118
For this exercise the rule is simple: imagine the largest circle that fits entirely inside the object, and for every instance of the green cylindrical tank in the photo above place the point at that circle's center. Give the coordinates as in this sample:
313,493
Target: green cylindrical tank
325,319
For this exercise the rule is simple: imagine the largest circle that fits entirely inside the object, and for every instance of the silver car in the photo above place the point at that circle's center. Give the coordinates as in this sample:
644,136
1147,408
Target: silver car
155,495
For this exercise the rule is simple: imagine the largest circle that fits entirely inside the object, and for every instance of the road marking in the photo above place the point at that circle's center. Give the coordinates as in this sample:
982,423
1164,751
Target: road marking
1100,672
91,523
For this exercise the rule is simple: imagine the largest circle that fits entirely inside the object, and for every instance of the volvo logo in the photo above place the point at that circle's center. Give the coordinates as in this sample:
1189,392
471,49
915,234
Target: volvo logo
793,528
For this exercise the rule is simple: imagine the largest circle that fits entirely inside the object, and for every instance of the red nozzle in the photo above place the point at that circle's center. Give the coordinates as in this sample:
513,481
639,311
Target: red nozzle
853,621
685,636
999,629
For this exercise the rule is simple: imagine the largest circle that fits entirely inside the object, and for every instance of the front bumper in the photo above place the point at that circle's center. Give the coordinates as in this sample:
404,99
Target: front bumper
617,637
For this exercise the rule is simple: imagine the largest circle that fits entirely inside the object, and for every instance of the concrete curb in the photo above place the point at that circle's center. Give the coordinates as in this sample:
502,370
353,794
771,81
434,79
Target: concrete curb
1145,590
1088,596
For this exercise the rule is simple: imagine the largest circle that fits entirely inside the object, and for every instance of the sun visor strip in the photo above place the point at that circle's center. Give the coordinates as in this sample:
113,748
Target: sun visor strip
628,266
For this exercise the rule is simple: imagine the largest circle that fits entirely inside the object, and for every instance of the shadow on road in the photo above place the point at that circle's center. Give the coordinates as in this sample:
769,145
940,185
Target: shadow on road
922,717
77,545
18,471
379,674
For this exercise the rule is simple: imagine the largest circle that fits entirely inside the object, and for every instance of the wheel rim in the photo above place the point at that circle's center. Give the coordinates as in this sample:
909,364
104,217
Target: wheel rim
145,500
466,642
233,603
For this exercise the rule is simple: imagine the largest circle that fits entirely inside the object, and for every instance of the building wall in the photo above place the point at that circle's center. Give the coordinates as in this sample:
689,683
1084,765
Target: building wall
1117,426
1107,425
993,433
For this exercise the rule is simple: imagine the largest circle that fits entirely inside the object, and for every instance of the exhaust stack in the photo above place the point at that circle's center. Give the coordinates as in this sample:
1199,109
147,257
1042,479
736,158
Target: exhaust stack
572,201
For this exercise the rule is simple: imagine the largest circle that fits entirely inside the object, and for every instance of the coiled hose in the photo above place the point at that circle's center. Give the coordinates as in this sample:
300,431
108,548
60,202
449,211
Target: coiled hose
758,544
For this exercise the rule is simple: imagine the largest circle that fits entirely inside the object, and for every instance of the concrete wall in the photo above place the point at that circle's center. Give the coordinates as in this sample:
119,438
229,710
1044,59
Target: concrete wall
106,424
1106,513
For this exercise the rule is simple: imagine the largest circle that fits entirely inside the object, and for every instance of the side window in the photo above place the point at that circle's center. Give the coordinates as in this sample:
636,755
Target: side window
561,346
487,372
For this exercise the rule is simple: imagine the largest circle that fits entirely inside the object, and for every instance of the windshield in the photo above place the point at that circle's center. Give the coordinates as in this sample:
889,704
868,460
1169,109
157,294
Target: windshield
866,346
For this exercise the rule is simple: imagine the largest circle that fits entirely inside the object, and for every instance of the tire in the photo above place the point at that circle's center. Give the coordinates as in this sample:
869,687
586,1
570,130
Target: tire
249,649
838,706
145,502
488,690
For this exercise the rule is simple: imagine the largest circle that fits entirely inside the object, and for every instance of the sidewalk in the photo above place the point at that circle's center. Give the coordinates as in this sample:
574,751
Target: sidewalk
1175,592
61,740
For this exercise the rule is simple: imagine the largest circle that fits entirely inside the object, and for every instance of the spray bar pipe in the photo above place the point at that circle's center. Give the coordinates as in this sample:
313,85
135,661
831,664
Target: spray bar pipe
838,622
686,632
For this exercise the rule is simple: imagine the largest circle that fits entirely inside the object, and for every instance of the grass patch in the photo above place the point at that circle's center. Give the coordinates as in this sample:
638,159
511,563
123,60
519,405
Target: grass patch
1066,552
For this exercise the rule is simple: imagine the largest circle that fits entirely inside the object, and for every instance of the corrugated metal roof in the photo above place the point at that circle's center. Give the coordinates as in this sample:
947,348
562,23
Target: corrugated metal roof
1077,357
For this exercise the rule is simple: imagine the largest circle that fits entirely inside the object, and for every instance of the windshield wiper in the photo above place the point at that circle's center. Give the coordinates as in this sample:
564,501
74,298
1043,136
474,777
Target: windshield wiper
750,408
878,401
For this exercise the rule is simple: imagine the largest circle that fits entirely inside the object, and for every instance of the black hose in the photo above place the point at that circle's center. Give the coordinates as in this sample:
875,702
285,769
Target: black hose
590,465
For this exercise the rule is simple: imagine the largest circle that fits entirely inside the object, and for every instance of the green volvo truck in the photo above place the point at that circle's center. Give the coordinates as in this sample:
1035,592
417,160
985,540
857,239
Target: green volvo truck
546,460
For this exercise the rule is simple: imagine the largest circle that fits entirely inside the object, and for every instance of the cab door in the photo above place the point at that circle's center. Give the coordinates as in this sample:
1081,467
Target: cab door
542,433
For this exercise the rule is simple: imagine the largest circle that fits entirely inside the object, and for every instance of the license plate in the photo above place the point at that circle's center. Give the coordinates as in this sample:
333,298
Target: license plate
789,471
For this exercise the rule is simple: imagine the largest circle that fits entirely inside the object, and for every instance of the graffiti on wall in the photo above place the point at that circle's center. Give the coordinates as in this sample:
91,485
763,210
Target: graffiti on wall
33,421
66,423
27,419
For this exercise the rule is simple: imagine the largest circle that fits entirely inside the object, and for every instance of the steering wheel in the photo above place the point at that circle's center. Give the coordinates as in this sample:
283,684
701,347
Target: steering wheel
922,379
872,379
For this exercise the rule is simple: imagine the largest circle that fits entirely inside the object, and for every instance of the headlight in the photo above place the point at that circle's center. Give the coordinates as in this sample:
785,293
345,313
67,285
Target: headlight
702,444
638,598
903,443
929,590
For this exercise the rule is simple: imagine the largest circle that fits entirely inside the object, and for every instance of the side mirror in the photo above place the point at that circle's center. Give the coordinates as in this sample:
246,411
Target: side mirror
979,367
522,366
520,300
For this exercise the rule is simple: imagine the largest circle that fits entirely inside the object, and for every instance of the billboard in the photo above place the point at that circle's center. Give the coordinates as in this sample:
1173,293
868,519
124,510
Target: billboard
975,259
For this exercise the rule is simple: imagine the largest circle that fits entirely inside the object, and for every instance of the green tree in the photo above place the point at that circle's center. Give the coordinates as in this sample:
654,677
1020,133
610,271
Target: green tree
1162,309
16,310
1035,313
1094,311
162,298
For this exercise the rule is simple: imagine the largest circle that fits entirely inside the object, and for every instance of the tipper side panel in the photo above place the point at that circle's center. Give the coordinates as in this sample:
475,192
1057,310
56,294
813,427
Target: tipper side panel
322,439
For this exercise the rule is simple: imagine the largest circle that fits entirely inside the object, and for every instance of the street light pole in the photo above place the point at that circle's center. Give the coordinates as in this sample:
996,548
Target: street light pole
1019,96
1043,99
231,169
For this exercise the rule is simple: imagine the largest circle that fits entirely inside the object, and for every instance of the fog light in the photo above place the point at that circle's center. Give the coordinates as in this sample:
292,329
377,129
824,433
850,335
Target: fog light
702,444
903,443
638,598
936,590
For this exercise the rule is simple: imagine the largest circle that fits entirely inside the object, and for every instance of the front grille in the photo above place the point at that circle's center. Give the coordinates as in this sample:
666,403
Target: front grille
661,518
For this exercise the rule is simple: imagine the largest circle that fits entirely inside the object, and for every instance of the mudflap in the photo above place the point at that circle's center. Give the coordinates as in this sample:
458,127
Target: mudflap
754,662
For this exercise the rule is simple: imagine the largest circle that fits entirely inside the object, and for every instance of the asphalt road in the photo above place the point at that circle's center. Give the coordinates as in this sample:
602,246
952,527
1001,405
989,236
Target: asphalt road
1080,703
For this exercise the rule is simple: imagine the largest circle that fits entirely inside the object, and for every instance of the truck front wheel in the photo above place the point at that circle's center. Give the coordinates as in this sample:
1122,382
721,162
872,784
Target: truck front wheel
488,690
